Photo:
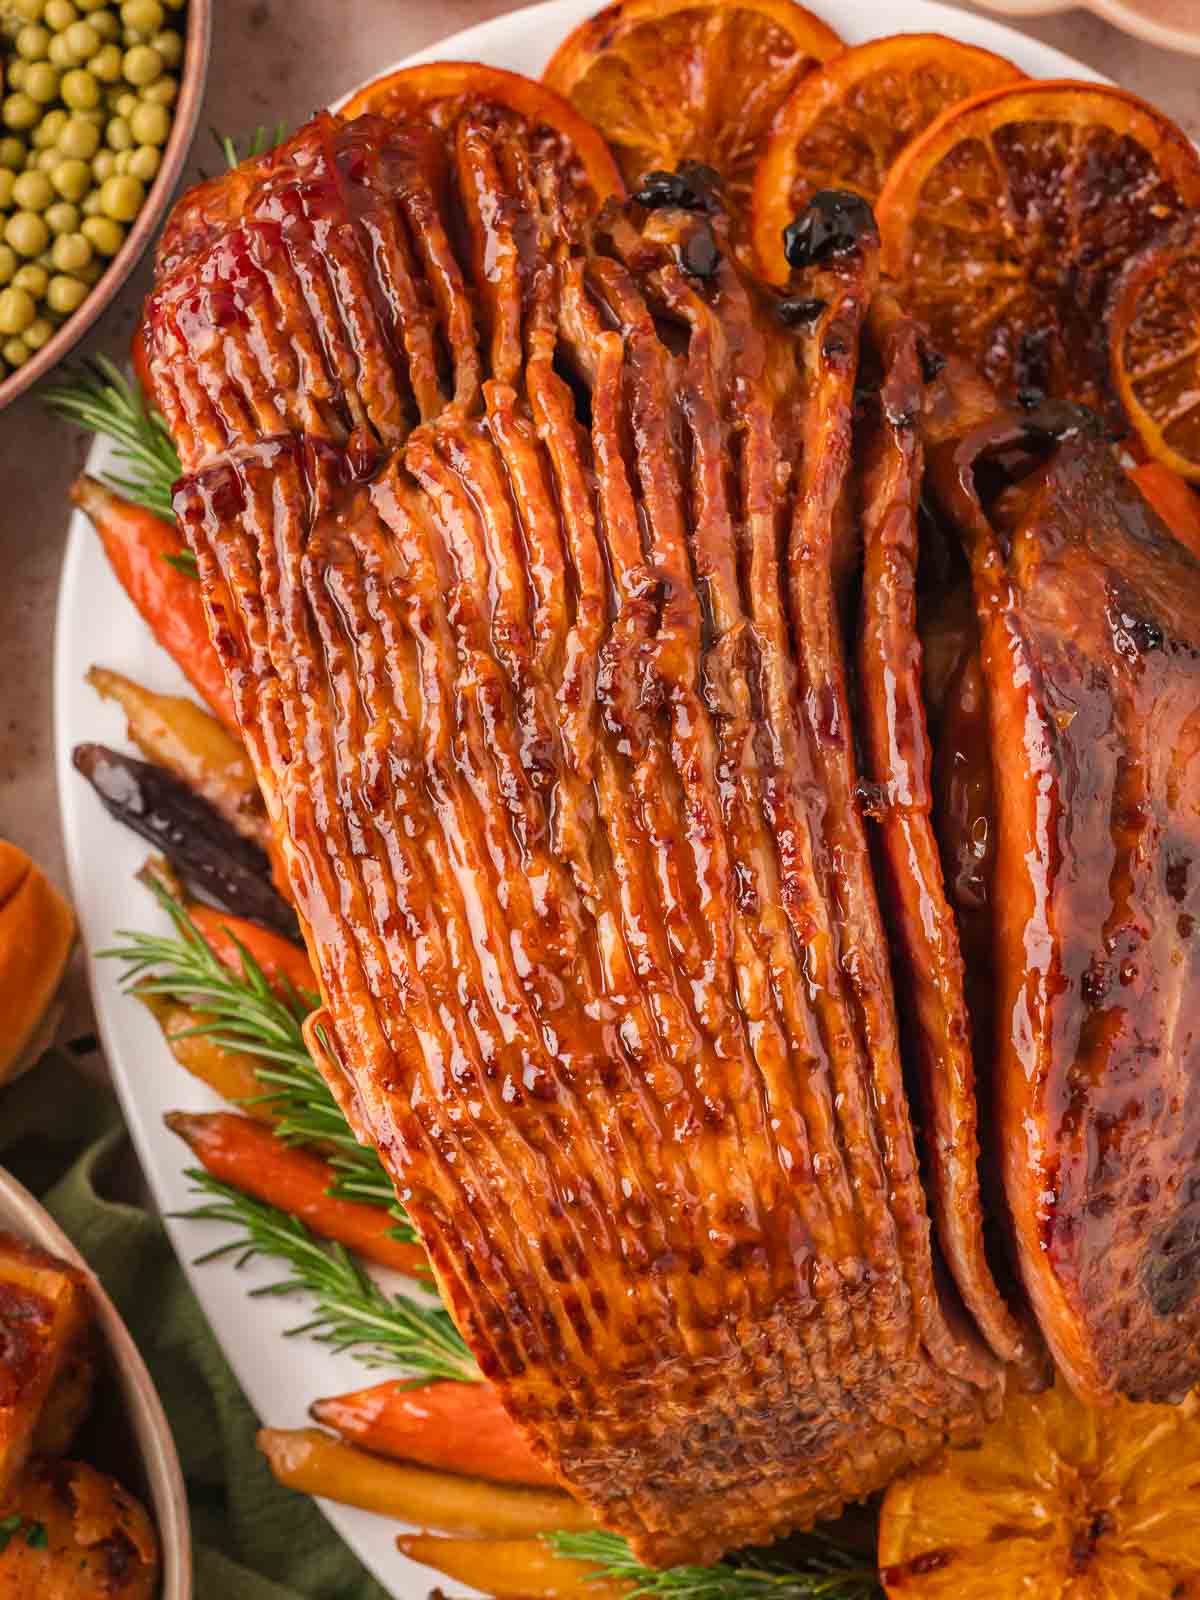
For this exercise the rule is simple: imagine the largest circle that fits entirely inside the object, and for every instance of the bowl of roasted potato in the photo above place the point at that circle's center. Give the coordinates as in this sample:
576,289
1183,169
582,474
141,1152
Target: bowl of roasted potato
92,1502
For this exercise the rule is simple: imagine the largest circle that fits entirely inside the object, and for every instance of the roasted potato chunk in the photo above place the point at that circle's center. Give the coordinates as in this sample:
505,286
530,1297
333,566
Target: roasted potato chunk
44,1318
72,1533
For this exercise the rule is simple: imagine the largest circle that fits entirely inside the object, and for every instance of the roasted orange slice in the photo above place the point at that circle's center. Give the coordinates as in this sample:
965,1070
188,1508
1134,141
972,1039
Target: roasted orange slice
1059,1502
439,91
1154,345
1006,221
699,80
846,122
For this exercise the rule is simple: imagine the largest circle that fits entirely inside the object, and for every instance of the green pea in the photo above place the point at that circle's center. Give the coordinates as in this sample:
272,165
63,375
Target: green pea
90,5
20,112
107,25
18,71
32,191
7,181
162,92
71,251
41,82
126,103
142,65
104,164
65,294
83,40
49,128
46,161
28,10
32,277
59,14
105,235
62,217
32,42
16,352
90,204
79,139
121,196
38,332
150,124
27,233
144,163
124,157
72,178
8,263
12,153
17,310
60,53
118,135
80,90
106,64
144,16
169,44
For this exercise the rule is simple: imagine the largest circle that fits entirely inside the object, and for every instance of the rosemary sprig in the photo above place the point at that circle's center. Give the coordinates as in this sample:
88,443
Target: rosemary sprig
98,397
822,1571
260,141
350,1311
241,1011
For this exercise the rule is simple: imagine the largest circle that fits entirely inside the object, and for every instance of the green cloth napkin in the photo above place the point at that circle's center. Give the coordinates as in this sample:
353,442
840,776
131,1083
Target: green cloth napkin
59,1135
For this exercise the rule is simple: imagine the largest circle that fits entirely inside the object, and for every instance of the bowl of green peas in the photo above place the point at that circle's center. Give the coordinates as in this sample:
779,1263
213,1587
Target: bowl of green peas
98,106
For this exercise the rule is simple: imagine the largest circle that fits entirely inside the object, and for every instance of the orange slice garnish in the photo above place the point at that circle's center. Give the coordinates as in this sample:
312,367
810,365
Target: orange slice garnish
846,123
699,80
1006,221
1059,1501
1154,345
441,90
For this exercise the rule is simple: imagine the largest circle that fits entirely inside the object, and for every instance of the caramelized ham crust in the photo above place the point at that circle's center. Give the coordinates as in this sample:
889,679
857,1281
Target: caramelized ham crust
1089,619
899,760
547,697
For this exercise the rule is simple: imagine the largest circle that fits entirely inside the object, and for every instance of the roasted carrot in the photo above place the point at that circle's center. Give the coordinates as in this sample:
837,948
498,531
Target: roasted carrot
138,544
316,1463
243,1153
1176,502
232,1073
283,963
510,1569
454,1427
176,733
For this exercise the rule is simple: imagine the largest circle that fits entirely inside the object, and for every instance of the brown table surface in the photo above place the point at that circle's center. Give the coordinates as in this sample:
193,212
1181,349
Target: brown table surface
277,59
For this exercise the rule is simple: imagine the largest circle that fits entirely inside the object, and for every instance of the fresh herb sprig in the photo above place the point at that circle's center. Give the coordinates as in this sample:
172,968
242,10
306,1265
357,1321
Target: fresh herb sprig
824,1570
35,1532
241,1011
259,142
350,1310
98,397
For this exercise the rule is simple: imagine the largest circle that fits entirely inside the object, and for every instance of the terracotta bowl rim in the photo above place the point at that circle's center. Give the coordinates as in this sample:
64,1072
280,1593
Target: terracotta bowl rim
21,1214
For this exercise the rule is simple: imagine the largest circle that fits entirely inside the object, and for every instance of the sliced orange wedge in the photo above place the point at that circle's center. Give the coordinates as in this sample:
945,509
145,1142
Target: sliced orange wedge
846,122
1006,221
1058,1502
1154,345
439,92
699,80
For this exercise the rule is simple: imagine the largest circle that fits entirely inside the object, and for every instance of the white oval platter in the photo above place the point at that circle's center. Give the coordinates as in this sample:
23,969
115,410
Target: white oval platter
97,624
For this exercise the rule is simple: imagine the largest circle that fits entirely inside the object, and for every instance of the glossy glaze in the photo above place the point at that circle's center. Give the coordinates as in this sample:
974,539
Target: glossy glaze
899,760
1091,657
549,708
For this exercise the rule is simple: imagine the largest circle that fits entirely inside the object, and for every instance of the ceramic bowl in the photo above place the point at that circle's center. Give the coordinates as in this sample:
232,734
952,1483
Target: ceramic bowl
1170,24
194,72
161,1483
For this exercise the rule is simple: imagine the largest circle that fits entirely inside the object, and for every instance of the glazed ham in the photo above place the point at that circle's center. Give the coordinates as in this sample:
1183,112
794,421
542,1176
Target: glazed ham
528,530
1089,626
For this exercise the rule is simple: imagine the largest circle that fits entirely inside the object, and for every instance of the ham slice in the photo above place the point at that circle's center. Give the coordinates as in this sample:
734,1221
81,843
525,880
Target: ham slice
1089,623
